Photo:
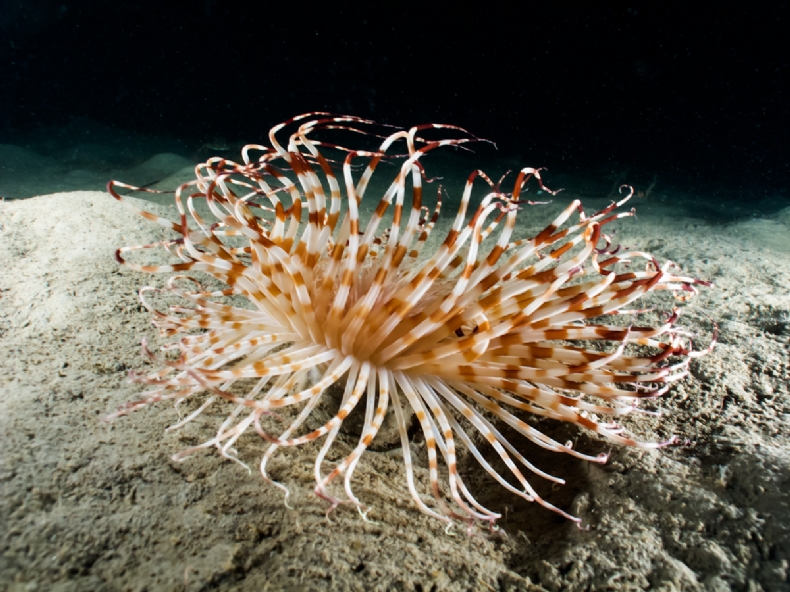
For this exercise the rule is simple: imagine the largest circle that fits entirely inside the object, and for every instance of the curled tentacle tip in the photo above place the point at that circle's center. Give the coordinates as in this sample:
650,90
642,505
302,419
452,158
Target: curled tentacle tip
673,440
364,514
602,458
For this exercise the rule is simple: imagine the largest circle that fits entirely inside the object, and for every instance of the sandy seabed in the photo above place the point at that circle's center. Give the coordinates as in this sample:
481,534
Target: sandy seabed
87,505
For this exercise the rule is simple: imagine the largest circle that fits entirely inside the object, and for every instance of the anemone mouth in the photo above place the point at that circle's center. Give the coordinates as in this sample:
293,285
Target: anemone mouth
480,332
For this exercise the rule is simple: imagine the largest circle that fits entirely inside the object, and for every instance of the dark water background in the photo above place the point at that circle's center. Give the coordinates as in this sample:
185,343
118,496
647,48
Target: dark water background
695,98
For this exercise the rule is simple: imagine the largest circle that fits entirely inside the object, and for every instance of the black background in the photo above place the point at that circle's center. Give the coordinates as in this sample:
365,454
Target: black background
697,91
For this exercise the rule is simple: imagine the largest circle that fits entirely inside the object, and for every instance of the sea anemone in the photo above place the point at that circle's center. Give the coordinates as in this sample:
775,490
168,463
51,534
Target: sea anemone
469,338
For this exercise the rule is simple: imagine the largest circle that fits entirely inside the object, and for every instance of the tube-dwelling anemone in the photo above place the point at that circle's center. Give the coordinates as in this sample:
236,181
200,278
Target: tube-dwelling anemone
474,336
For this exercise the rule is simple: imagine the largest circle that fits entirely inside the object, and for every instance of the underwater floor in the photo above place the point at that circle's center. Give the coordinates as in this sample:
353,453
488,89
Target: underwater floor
87,505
